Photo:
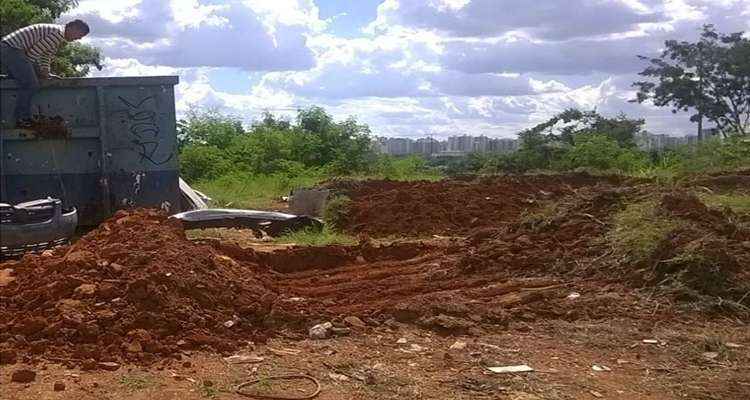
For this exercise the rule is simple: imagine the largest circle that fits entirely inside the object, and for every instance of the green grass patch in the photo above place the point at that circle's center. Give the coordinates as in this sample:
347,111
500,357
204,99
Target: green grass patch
313,237
411,168
638,230
263,191
336,212
739,203
246,191
136,382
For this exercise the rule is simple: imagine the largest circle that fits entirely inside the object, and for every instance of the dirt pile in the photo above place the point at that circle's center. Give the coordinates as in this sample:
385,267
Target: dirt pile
558,240
384,208
707,255
132,288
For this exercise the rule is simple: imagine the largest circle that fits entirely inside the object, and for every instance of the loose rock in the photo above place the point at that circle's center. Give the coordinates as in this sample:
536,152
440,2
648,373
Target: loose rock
23,376
88,365
459,345
8,357
109,366
340,331
240,359
355,321
321,331
5,277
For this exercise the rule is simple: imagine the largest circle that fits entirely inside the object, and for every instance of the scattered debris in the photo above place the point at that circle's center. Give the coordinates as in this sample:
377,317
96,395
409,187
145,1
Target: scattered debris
491,346
240,389
600,368
596,394
109,366
458,345
511,369
338,377
573,296
650,341
710,355
402,341
355,321
242,359
321,331
284,352
416,348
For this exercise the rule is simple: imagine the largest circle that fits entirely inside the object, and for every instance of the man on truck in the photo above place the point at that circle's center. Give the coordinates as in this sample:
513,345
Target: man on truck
26,55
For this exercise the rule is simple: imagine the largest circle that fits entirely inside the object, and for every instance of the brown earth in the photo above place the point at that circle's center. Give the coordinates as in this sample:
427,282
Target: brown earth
451,207
135,290
130,289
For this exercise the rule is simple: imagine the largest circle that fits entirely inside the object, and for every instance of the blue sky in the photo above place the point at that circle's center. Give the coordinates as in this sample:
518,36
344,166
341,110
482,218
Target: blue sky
407,68
350,15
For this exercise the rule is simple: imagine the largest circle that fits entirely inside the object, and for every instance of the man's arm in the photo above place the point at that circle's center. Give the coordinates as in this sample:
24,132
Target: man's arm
44,67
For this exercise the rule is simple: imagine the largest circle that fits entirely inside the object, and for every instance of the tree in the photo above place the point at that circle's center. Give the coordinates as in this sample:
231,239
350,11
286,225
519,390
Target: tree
601,152
710,77
73,59
546,144
212,143
343,146
208,127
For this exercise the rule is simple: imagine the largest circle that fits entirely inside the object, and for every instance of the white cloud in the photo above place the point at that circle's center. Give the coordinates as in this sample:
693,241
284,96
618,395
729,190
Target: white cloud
549,19
436,67
252,35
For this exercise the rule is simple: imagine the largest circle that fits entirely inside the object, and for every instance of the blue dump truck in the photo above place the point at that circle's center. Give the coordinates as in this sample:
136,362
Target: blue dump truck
118,150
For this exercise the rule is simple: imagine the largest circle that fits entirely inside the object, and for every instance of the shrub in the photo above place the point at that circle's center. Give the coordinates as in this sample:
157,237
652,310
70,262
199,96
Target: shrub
203,162
336,212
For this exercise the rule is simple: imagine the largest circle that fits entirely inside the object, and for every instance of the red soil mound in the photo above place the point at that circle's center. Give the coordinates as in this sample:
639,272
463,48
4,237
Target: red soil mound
383,208
133,287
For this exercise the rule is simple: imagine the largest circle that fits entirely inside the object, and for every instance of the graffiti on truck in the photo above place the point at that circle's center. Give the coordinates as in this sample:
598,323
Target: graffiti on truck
144,129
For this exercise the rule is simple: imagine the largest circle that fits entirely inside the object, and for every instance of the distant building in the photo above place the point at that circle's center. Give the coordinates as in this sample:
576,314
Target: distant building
481,144
652,142
398,146
463,143
427,146
452,147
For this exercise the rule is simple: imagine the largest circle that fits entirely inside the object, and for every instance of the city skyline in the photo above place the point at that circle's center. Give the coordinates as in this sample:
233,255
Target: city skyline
465,143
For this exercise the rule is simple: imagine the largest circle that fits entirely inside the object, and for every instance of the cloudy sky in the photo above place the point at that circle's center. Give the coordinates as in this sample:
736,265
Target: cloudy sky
406,67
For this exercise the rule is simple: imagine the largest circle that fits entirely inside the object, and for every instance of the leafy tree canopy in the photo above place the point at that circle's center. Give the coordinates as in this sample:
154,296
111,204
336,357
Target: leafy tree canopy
710,78
73,59
273,144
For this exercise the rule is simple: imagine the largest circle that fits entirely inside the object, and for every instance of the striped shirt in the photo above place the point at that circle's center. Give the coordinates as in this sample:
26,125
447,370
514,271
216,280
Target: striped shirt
40,42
